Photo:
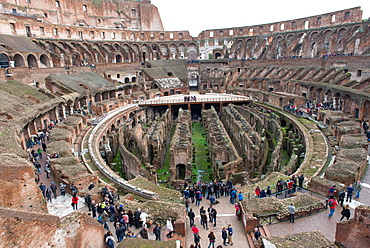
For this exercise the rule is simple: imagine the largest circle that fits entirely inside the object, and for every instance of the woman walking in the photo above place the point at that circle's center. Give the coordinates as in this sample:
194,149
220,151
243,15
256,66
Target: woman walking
345,212
212,239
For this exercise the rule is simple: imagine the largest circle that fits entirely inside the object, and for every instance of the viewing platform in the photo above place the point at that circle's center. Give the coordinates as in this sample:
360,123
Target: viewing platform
208,98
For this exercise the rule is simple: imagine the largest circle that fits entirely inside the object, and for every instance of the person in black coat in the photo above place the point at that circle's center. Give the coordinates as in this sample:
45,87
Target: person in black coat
345,212
157,232
224,235
137,218
191,217
120,232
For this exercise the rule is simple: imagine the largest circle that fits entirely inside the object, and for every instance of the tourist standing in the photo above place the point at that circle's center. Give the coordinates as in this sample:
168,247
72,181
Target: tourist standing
74,202
42,188
54,188
157,232
291,210
48,194
224,235
358,187
349,190
230,233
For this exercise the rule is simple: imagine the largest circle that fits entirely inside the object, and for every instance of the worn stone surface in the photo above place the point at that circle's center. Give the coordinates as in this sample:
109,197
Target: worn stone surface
301,240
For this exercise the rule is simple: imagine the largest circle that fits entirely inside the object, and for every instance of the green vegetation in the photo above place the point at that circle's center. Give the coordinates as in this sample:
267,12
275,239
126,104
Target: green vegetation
202,168
117,162
164,172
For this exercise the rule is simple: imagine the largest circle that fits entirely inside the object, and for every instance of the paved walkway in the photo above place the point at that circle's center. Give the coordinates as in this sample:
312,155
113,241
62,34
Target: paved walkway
321,221
225,216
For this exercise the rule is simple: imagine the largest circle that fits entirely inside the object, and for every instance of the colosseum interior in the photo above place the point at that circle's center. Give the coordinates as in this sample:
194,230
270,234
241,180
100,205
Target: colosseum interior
141,111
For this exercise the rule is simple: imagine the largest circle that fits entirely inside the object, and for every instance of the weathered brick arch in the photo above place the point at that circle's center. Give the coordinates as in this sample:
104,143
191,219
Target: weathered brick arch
18,60
339,39
32,60
4,59
136,53
45,60
365,115
173,51
347,104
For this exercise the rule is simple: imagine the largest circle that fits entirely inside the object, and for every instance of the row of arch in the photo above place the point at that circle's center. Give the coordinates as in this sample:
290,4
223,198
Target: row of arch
318,42
26,60
338,99
87,53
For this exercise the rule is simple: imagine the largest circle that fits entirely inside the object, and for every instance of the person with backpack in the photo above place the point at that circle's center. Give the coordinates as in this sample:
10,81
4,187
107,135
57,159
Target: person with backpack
109,240
257,233
332,205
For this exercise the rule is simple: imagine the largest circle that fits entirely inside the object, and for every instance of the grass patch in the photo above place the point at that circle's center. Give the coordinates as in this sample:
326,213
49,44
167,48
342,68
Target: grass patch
203,167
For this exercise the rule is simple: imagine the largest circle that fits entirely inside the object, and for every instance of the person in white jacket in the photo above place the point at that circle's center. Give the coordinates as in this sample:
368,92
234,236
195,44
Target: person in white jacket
169,228
143,217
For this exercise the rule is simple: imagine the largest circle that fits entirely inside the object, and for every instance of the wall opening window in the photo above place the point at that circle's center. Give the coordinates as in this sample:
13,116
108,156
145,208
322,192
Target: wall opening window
68,32
80,34
102,35
161,36
180,35
42,30
332,18
306,24
84,7
57,4
282,26
12,28
45,15
271,28
92,34
231,32
171,36
359,73
133,12
318,20
55,31
211,34
347,15
113,35
294,25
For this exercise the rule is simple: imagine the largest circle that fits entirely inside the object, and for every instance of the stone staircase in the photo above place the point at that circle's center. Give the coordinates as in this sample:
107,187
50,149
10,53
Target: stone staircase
257,243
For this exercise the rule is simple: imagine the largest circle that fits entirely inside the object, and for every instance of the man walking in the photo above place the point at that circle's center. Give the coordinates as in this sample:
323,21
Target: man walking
349,190
191,216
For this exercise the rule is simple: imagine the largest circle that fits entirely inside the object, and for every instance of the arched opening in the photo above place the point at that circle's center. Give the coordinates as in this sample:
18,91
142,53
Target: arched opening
97,97
366,109
133,79
4,60
118,58
217,55
18,60
180,171
127,80
31,61
44,60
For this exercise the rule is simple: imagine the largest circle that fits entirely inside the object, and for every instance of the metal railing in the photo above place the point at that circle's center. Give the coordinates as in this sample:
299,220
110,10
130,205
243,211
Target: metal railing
200,100
268,219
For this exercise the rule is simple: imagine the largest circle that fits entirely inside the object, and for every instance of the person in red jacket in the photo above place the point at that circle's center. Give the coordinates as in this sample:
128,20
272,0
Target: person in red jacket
332,205
74,202
257,191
